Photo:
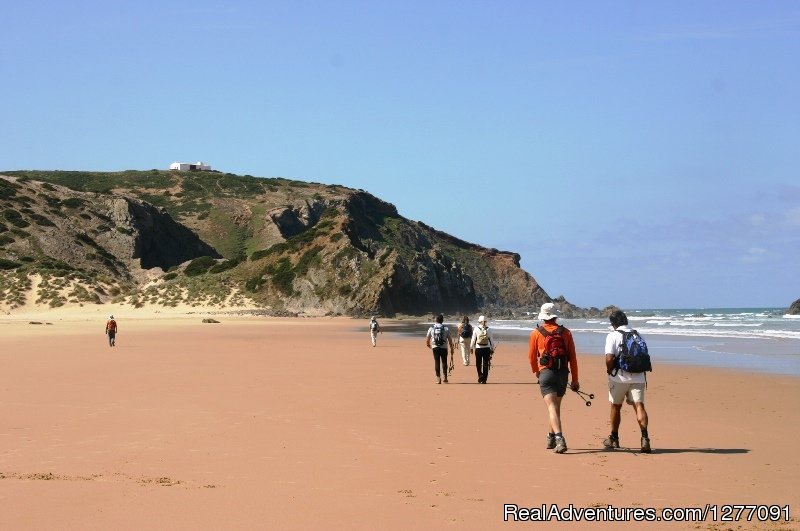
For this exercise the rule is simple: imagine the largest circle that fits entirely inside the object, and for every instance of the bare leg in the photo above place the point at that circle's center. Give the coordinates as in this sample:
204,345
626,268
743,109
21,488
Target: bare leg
553,403
616,416
641,414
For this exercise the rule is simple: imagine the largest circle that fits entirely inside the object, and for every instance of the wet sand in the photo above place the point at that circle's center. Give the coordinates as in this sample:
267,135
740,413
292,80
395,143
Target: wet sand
259,423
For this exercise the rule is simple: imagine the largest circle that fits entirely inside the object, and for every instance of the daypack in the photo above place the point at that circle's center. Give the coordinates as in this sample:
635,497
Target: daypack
554,355
466,331
111,326
633,355
373,325
439,339
483,336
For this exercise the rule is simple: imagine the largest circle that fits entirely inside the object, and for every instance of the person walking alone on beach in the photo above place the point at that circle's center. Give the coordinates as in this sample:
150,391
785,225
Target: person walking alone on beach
438,339
483,346
551,350
465,339
374,328
629,386
111,331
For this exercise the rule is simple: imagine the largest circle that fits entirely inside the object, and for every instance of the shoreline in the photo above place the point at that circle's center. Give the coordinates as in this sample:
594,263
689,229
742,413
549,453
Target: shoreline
666,350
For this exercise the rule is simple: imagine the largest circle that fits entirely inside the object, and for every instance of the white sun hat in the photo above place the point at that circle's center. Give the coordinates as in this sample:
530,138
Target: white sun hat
549,311
482,319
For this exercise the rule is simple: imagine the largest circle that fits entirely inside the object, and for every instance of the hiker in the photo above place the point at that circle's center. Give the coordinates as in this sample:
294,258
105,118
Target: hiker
551,353
483,346
623,384
374,328
438,340
111,331
465,339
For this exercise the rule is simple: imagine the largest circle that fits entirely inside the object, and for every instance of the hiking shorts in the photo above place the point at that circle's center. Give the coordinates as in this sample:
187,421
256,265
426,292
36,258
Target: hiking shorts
630,392
551,381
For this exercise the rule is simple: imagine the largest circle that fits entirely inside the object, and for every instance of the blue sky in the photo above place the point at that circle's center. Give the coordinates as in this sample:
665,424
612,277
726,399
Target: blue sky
643,154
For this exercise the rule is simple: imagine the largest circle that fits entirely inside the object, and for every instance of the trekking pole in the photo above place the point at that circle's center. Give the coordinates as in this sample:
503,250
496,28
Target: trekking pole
584,396
494,349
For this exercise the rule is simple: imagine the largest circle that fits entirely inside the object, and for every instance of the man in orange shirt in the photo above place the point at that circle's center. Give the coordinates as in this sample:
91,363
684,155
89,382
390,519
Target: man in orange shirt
551,353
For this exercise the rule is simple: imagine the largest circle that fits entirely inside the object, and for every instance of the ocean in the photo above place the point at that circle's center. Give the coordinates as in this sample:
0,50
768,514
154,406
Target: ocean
756,339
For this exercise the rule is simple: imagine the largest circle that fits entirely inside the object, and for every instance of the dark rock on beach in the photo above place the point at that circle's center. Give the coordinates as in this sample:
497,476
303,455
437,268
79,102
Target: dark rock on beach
794,309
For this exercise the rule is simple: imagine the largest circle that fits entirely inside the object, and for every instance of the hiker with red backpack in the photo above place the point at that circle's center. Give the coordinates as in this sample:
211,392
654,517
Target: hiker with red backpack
551,353
627,361
111,331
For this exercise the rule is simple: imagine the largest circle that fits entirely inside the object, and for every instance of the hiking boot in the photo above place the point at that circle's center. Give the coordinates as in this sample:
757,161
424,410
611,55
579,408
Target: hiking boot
611,442
445,380
551,441
646,445
438,380
561,445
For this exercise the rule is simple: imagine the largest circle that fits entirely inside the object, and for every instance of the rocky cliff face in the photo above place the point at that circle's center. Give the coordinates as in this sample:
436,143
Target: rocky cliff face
151,235
111,234
285,245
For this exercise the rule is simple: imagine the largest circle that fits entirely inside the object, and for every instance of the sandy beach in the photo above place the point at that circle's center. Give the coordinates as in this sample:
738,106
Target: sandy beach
267,423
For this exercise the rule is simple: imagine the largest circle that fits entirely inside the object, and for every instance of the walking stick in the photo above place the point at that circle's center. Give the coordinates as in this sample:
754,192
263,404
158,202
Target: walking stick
585,396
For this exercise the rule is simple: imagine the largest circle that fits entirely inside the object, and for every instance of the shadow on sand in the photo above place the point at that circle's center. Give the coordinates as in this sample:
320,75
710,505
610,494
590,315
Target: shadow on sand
719,451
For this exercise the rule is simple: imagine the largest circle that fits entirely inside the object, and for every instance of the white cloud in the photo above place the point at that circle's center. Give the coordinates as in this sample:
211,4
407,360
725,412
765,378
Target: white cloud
792,217
754,255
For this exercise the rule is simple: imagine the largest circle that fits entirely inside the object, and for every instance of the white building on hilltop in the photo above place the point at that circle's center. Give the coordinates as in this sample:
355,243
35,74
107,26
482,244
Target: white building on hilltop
189,166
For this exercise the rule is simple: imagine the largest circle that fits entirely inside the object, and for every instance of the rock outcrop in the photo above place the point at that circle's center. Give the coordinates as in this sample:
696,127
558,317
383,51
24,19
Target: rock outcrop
794,309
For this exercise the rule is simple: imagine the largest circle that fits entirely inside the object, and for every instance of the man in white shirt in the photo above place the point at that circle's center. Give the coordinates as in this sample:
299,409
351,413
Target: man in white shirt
623,385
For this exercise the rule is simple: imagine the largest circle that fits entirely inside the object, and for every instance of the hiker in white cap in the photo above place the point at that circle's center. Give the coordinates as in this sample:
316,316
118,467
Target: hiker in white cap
551,352
483,345
374,329
111,331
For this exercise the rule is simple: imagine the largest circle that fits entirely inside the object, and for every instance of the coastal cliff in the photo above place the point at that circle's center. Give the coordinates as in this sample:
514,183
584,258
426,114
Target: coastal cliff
289,247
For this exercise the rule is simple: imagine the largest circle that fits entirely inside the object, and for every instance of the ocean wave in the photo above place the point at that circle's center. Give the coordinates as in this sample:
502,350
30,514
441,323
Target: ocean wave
705,332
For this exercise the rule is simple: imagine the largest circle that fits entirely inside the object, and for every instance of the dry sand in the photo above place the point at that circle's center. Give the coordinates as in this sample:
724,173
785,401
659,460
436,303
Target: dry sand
259,423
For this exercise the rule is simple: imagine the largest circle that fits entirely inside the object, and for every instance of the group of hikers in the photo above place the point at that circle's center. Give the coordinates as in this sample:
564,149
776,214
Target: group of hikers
552,357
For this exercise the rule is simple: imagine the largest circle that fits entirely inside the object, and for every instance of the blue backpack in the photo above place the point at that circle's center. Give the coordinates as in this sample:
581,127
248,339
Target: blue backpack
633,355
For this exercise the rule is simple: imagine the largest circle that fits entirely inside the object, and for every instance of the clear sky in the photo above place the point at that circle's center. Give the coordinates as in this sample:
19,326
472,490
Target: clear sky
637,153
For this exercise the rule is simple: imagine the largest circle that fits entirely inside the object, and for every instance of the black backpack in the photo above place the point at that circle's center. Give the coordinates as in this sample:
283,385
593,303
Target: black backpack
466,331
439,339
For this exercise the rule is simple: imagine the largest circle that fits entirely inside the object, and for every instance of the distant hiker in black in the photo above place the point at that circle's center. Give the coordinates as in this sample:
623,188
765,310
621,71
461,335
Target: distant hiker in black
465,339
111,331
438,340
483,346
